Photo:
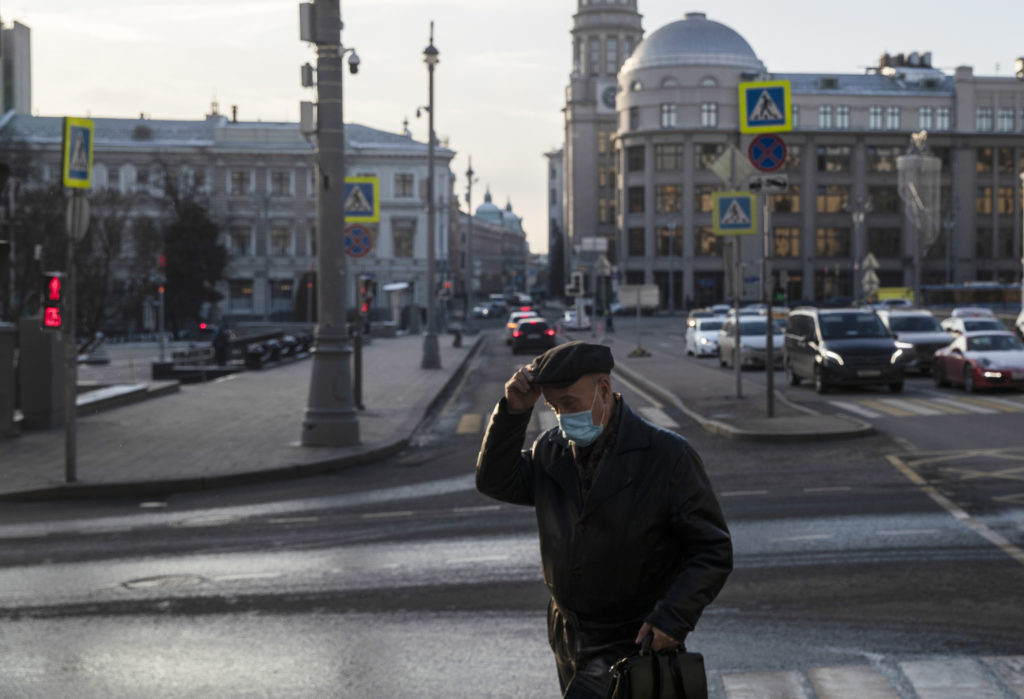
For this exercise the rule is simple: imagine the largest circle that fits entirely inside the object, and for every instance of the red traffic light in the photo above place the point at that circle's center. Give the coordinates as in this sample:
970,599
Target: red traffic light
51,317
53,301
202,326
54,286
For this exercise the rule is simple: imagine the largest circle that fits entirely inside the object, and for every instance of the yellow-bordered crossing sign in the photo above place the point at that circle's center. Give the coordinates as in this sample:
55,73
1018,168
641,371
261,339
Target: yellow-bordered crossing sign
78,147
734,213
766,107
362,199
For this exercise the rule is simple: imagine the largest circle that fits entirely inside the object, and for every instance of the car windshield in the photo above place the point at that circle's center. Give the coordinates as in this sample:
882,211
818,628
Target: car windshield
993,343
839,325
711,325
757,328
909,324
982,324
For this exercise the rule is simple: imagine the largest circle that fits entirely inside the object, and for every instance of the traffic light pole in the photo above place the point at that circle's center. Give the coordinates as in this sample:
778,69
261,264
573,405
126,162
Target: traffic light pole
71,356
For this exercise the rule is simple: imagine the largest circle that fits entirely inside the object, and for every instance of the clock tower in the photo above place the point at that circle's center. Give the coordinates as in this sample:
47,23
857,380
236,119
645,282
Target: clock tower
604,34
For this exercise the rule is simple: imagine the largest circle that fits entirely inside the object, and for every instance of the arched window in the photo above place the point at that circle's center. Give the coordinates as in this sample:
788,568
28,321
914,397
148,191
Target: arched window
636,86
670,82
126,178
708,81
100,178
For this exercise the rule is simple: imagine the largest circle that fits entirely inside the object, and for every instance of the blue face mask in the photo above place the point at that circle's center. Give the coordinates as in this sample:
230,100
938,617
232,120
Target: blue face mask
579,427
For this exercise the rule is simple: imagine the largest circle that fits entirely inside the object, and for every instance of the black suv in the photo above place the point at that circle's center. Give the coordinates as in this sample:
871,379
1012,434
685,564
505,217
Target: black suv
841,347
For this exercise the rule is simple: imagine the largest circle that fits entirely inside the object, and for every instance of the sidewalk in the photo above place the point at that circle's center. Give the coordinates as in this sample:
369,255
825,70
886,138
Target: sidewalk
244,428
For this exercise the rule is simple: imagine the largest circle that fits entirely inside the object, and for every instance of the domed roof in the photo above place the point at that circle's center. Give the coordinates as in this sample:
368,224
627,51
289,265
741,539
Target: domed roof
694,41
489,210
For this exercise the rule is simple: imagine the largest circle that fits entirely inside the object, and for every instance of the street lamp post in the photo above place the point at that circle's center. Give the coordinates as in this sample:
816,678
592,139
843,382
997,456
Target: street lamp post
468,274
330,418
431,353
858,210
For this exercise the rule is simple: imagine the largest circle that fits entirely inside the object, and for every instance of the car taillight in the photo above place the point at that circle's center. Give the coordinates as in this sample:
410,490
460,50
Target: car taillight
516,333
549,332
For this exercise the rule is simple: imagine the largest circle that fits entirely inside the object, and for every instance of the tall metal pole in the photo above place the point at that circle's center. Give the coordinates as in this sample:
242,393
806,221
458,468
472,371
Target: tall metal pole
431,352
1022,247
766,299
330,418
71,366
470,272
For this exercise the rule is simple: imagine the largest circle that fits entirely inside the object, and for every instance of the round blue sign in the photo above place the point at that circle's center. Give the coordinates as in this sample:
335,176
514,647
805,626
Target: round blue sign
358,240
767,152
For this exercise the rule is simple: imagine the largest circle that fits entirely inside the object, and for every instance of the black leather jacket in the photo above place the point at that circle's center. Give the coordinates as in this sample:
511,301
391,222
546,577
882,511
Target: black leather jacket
650,544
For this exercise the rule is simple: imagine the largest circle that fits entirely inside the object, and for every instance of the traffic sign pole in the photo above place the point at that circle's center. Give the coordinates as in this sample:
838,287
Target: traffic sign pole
766,298
70,345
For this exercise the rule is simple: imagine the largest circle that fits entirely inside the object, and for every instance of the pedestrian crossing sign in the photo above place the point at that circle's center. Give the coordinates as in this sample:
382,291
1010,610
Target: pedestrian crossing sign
362,199
734,213
77,160
765,107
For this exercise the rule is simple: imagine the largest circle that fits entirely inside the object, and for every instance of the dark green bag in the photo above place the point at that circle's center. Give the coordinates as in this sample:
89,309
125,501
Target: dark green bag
668,674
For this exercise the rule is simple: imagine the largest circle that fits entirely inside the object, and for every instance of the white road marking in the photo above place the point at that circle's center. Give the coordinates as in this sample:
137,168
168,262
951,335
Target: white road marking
385,515
759,685
658,416
854,408
948,678
476,559
906,532
805,537
914,406
292,520
963,405
861,682
738,493
828,489
479,508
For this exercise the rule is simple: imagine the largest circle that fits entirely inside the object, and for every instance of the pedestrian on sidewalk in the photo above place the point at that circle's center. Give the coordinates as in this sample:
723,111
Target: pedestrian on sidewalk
632,537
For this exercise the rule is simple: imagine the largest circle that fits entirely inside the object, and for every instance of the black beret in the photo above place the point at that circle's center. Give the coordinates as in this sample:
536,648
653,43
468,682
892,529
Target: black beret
563,365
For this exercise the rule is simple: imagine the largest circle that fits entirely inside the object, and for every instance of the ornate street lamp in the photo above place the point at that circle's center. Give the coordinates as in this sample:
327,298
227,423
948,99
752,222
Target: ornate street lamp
431,353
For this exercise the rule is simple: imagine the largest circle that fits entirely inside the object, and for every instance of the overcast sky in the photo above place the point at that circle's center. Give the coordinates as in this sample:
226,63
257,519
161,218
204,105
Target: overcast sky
504,65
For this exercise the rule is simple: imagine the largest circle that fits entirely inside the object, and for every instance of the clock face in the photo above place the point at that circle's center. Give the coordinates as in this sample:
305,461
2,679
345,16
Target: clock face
608,96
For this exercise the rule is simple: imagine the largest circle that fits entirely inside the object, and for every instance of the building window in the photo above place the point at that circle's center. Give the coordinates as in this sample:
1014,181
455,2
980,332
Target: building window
239,182
602,176
706,243
892,118
634,118
704,198
884,242
833,242
983,119
983,159
1004,244
240,293
1005,122
832,198
709,114
668,198
668,116
787,242
281,295
983,242
635,200
670,242
1004,200
875,118
706,153
884,199
612,55
825,116
669,82
786,203
403,236
983,200
553,199
280,241
796,116
635,159
843,116
883,158
280,183
405,186
708,81
595,56
629,47
668,157
833,158
793,158
1005,161
942,119
240,238
602,142
924,118
605,211
636,242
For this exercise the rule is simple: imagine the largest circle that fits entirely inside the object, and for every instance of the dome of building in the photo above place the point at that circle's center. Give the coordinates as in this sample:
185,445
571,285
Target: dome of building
489,211
694,41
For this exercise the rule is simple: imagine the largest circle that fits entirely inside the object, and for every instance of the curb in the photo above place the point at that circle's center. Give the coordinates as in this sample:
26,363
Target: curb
851,426
176,485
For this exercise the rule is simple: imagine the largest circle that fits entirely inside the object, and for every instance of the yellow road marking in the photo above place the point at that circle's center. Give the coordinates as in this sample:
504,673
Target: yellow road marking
887,408
944,407
469,424
1006,407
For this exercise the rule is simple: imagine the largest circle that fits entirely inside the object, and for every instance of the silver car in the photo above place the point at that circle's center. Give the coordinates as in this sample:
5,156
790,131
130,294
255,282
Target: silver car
702,337
753,341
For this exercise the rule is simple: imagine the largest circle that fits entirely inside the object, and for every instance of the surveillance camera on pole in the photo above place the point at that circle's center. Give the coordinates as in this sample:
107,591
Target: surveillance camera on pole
353,63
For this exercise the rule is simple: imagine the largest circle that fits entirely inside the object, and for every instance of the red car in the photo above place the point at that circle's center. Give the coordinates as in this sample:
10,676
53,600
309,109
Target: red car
985,359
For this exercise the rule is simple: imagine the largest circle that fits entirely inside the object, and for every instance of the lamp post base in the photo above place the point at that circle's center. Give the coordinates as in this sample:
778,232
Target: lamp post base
330,419
431,351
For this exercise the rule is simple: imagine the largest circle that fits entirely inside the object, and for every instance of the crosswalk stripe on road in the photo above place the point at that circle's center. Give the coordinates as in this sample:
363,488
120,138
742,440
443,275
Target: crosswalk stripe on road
873,408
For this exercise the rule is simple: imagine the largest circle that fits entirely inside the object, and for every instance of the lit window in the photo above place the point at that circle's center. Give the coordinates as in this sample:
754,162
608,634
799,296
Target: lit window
709,114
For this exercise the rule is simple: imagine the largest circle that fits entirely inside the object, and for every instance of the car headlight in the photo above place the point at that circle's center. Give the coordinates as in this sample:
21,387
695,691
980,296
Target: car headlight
834,357
905,346
705,341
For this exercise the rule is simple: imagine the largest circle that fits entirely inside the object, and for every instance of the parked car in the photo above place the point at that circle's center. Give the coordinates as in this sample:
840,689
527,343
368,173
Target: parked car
842,347
570,321
695,314
720,309
958,326
971,312
532,333
513,319
892,304
922,330
979,360
482,311
1019,325
753,341
702,337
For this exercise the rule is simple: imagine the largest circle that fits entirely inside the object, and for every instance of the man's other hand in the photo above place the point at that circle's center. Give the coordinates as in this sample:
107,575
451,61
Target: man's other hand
662,641
520,393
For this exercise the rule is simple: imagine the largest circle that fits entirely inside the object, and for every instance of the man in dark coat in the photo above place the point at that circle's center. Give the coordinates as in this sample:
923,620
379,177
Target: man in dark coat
632,538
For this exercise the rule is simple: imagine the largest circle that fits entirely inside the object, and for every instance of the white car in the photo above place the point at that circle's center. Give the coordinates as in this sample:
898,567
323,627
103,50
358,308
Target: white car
1019,325
702,337
513,321
753,341
959,326
571,322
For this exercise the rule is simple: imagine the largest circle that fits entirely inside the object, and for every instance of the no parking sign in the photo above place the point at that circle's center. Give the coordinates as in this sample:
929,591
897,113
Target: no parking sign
358,240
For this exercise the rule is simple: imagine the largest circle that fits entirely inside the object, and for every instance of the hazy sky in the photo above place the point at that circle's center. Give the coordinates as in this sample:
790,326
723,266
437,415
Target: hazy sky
504,66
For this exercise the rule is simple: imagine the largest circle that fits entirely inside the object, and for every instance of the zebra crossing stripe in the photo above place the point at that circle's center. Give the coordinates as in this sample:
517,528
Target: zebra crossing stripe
758,685
658,416
921,407
855,682
949,678
1006,406
963,405
854,408
1010,670
469,423
885,407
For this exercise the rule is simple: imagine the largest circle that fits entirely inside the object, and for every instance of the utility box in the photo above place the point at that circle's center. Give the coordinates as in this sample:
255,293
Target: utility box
40,375
7,335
